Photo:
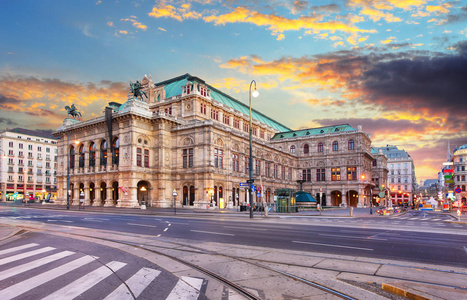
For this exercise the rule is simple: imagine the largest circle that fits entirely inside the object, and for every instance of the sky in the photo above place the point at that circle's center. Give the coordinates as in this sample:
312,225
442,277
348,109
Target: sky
396,67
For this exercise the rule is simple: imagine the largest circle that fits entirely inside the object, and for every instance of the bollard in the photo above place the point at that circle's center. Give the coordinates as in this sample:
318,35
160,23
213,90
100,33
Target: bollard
351,211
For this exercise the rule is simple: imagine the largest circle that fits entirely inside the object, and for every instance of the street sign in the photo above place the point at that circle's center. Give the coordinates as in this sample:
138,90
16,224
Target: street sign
448,171
258,194
449,181
252,188
243,184
250,181
458,190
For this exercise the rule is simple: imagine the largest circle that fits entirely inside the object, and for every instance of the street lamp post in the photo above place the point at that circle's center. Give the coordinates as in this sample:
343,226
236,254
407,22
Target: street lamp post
67,171
250,181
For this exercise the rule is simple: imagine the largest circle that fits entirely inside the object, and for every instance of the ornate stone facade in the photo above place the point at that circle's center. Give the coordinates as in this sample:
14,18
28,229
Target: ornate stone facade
188,137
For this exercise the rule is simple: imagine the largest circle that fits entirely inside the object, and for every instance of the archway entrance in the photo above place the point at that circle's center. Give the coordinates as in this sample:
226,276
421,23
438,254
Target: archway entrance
115,191
103,192
92,192
323,199
143,193
336,198
352,198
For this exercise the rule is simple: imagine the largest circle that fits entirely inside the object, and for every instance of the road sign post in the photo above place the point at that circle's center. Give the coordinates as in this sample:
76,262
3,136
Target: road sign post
174,193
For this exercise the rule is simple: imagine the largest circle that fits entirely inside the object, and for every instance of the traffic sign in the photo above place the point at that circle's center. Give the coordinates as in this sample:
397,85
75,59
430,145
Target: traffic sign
250,181
258,194
252,188
458,190
243,184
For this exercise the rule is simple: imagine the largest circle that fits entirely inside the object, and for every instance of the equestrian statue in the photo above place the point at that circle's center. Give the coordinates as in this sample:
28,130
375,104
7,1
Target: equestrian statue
137,90
72,111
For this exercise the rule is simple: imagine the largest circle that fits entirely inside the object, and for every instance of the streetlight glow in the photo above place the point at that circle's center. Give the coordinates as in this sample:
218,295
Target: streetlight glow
255,93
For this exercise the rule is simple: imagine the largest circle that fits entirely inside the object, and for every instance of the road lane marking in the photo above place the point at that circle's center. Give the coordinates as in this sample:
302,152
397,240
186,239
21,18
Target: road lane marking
134,224
465,248
31,283
353,237
60,221
24,255
329,245
86,282
6,251
136,284
188,288
246,228
213,232
34,264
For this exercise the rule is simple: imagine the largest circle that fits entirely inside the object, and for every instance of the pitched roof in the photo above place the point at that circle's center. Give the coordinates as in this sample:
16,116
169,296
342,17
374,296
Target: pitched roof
38,133
313,131
173,87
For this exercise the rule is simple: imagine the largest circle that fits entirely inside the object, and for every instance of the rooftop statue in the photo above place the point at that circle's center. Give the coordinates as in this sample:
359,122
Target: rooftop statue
72,111
137,90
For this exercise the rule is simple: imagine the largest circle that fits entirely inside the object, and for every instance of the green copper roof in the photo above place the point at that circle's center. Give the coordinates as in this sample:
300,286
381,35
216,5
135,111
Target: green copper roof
313,131
173,87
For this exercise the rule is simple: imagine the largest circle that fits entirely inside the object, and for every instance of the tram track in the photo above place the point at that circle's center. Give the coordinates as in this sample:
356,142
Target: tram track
184,248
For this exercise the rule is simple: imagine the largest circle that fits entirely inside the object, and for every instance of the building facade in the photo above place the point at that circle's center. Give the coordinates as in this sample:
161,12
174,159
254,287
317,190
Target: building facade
28,164
401,177
187,137
459,158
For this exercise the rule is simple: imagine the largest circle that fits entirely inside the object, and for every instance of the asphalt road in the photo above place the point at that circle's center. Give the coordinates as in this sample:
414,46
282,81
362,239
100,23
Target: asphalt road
374,237
44,266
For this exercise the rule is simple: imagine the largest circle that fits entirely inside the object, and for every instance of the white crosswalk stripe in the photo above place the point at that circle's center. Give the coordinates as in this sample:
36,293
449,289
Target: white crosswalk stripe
32,265
136,284
28,284
188,288
24,255
14,249
86,282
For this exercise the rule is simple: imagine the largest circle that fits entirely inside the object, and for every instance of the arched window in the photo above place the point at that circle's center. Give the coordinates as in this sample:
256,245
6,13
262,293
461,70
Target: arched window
292,149
351,145
306,149
335,146
104,153
81,156
320,147
92,155
72,157
115,151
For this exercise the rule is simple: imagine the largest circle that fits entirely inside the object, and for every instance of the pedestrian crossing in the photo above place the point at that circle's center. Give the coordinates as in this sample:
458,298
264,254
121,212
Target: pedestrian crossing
419,218
30,269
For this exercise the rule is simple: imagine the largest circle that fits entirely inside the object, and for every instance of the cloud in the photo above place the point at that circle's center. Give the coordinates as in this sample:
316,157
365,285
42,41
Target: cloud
31,99
279,24
163,10
409,85
135,23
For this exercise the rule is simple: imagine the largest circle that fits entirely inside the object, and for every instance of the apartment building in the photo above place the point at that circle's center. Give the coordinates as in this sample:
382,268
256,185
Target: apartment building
401,177
28,164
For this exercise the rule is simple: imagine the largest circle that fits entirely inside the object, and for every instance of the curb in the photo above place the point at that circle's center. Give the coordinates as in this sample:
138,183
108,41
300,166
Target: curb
401,292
